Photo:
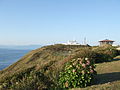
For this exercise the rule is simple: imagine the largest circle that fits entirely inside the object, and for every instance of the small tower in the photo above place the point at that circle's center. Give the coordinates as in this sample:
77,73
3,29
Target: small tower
106,42
85,43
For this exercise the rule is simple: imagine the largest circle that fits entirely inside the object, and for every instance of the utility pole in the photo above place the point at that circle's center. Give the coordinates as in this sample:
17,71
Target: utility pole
85,43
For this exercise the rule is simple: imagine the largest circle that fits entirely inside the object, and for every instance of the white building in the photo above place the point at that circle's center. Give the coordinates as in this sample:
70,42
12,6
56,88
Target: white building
74,42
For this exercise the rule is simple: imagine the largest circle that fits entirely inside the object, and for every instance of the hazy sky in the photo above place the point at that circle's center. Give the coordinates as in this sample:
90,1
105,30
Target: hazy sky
57,21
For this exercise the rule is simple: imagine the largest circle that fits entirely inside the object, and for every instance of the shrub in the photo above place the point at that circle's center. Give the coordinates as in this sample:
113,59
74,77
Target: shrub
27,80
105,54
78,72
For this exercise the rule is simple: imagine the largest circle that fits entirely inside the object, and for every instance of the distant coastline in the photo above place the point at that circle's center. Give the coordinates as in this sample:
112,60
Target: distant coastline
10,56
20,47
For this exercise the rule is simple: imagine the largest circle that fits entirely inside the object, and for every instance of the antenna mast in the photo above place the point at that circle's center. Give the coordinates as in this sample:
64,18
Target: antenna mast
85,41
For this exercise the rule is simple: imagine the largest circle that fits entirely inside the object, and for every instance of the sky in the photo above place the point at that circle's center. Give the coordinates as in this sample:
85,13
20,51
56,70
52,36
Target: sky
26,22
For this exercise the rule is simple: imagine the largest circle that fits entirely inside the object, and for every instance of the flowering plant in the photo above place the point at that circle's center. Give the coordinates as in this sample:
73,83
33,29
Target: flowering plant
77,73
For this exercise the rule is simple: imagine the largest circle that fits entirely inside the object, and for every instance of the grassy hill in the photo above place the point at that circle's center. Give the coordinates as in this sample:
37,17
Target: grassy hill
46,61
39,69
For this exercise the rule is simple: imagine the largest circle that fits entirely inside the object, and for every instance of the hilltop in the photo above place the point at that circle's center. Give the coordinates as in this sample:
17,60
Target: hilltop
47,61
39,68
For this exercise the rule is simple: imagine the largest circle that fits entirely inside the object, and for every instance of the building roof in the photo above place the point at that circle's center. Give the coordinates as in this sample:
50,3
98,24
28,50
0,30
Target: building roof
107,40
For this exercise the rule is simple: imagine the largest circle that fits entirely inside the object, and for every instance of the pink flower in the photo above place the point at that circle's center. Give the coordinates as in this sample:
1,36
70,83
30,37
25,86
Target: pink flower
91,67
84,65
74,70
91,71
88,62
80,62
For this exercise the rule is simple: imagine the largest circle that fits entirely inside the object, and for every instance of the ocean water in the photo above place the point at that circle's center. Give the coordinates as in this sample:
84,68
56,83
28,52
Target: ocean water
10,56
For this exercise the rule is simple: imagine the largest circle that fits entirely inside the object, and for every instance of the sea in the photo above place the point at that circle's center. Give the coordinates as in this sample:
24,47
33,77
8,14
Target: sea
10,56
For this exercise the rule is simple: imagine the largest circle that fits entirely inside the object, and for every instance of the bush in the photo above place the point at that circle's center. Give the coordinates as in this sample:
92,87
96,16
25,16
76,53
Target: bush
105,54
78,72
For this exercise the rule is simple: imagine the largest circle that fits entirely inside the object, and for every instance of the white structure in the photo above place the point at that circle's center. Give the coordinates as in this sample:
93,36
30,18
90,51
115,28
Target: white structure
118,48
71,43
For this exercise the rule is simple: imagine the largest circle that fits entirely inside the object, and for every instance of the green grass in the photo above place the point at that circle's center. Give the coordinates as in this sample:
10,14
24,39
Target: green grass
108,77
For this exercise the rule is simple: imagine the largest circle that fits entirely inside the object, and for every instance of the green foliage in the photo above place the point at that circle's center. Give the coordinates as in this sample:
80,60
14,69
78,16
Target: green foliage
105,54
78,72
27,80
62,48
85,52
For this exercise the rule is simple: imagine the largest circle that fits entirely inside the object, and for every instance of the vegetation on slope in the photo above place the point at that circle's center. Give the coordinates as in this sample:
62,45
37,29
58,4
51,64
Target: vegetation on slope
47,60
40,68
